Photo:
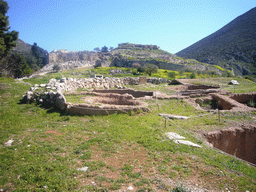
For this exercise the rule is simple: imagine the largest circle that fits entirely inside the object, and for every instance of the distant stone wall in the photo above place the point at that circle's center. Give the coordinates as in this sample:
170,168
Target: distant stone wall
130,46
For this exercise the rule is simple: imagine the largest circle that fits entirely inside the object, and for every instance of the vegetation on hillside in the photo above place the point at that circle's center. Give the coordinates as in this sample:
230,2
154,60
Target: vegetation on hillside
233,46
17,59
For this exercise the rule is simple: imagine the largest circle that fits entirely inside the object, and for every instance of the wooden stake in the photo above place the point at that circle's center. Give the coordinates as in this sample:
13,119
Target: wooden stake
219,114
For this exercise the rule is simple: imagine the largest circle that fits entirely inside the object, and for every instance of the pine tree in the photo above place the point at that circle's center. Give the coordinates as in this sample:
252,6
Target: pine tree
7,38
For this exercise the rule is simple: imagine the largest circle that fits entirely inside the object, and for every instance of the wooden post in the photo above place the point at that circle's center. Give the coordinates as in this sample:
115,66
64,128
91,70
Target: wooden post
219,114
165,123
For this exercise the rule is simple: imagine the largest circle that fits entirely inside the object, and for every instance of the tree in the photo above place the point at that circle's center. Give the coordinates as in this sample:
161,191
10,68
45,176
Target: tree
7,38
15,65
136,65
104,49
40,54
111,48
97,49
150,68
56,67
172,75
192,76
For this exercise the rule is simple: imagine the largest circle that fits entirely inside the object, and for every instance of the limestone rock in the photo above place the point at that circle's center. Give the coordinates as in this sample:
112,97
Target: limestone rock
173,136
233,82
184,142
170,116
29,95
60,101
9,143
82,169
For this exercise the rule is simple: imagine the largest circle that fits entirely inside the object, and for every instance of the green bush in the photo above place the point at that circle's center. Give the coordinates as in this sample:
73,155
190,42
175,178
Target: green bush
56,67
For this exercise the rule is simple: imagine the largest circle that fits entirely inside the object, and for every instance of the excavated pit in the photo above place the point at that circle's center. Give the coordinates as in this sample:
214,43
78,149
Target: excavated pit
248,99
239,141
105,102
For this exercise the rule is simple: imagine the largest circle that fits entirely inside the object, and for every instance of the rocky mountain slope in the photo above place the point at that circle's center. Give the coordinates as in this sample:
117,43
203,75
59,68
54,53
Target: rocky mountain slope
234,44
125,55
22,47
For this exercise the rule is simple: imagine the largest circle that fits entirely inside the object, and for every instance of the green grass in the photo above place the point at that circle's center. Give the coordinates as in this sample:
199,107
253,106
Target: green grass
50,145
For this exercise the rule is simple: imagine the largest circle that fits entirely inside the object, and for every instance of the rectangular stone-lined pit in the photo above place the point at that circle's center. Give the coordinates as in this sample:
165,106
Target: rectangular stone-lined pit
244,97
240,142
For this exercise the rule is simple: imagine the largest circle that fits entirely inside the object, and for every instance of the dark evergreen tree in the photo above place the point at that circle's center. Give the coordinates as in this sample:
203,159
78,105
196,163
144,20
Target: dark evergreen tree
97,49
40,54
15,65
104,49
7,38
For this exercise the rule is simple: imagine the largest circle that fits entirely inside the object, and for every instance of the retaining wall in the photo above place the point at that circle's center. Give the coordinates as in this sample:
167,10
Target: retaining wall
227,103
82,109
132,92
240,142
194,87
244,97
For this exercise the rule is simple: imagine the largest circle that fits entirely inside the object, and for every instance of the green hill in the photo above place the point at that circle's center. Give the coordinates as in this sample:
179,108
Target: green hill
233,45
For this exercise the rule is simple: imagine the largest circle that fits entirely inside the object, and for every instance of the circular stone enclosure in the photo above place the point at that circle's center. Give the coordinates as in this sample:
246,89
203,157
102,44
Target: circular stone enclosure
99,103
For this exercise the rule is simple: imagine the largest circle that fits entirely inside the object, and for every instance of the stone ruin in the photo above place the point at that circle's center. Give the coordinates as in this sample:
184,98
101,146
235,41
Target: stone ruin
111,100
238,141
98,103
52,92
224,100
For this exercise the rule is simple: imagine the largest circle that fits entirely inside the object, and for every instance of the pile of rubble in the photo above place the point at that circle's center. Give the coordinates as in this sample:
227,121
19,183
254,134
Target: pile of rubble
72,84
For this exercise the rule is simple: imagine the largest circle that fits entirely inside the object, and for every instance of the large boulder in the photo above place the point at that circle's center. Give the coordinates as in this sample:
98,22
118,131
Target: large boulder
60,101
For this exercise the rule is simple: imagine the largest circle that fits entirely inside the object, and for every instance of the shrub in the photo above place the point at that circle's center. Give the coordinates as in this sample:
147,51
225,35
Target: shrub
227,74
218,67
56,67
192,76
150,68
172,75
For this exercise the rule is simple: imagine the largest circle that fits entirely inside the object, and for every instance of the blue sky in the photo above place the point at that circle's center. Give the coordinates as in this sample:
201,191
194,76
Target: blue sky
78,25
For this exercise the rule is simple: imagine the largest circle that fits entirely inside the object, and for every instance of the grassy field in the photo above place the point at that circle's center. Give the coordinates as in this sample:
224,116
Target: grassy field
119,150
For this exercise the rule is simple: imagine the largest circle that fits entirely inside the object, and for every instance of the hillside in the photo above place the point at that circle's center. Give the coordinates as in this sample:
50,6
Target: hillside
125,55
22,47
235,43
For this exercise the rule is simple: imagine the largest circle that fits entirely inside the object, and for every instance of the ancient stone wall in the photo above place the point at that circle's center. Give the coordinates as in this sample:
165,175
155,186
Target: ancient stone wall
82,109
244,97
51,94
72,84
227,103
240,142
132,92
224,102
194,87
